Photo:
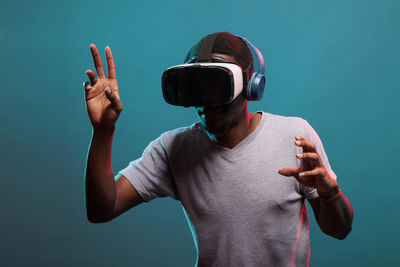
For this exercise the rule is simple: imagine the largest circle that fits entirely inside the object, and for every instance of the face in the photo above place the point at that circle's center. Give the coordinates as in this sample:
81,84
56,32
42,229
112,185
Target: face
217,120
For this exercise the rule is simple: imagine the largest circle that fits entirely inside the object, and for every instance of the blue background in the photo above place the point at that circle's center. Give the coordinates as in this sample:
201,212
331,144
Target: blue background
334,63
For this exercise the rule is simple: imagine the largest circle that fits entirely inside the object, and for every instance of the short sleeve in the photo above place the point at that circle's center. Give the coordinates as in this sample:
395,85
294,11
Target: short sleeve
311,135
149,174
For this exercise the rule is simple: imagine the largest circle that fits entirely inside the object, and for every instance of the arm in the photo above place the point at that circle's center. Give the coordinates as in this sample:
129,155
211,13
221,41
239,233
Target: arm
100,186
105,197
334,214
332,209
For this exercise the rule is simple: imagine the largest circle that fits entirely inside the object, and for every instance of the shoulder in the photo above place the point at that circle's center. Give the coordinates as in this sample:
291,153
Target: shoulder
178,136
285,123
181,132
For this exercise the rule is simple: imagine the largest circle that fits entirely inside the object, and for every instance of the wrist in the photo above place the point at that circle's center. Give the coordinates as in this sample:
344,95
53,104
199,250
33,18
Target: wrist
330,189
330,196
104,129
103,133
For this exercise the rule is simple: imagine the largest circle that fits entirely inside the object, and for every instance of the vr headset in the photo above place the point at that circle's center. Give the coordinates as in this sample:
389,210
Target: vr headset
207,81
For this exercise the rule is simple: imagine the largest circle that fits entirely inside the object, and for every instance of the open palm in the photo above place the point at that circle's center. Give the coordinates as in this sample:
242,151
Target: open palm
102,96
311,172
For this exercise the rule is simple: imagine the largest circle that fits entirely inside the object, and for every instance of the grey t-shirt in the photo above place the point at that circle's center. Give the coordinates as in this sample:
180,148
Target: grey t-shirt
240,210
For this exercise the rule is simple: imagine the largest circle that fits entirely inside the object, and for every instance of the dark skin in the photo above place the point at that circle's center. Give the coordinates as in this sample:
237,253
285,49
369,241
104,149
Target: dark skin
108,197
229,124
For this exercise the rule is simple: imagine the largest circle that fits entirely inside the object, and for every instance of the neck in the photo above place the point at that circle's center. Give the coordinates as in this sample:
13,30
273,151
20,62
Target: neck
241,127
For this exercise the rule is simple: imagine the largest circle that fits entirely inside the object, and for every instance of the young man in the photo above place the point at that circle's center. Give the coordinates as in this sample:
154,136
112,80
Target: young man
241,177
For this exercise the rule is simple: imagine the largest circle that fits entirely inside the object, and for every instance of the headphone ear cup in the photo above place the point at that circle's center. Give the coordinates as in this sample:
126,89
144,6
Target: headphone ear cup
255,87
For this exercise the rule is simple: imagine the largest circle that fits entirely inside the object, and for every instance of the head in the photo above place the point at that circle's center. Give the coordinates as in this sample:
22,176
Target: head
218,120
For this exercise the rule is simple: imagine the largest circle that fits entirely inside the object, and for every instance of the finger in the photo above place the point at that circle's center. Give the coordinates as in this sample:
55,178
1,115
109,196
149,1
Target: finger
92,77
288,171
316,171
97,61
110,64
115,102
307,146
308,155
87,86
312,157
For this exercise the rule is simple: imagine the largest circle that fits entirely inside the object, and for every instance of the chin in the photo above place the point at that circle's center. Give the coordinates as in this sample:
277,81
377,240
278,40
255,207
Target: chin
215,129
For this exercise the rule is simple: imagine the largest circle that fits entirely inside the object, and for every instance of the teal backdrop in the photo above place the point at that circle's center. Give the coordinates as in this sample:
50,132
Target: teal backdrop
334,63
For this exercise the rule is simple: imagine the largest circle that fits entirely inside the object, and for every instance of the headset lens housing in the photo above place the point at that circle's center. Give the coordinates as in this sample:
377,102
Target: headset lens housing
197,85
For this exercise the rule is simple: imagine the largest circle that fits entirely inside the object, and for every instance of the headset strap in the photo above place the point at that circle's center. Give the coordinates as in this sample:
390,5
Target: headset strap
257,53
206,48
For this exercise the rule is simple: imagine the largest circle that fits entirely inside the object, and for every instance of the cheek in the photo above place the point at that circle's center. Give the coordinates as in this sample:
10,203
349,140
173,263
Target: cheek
237,106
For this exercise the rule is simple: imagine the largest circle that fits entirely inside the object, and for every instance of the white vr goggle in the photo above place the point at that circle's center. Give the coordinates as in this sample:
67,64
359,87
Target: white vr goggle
202,84
208,80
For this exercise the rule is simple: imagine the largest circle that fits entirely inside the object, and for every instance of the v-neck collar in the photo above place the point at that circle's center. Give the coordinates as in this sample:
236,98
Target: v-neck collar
242,144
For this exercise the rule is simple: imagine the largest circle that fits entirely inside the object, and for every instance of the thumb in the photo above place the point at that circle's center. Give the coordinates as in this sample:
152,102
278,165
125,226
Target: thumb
115,102
289,171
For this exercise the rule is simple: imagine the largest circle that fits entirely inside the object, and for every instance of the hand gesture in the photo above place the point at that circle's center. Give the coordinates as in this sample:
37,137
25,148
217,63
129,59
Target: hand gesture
102,96
312,172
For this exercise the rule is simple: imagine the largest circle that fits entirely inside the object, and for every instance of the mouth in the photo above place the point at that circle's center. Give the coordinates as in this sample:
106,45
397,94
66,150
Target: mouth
208,115
211,111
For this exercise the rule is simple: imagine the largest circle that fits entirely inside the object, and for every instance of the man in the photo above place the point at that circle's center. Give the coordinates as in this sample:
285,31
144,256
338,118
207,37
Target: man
228,171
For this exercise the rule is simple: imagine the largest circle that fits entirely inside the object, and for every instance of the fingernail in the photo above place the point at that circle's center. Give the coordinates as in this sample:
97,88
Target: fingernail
298,143
301,174
297,137
299,155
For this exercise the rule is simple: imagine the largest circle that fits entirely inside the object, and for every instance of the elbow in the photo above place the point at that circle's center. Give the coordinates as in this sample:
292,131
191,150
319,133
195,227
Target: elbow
339,232
346,229
341,235
97,218
96,213
345,233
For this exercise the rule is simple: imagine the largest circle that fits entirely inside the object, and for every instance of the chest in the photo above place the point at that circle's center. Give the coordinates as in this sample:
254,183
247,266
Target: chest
216,186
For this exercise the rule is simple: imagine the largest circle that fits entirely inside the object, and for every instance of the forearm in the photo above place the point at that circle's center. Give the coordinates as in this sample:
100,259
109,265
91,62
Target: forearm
336,216
100,186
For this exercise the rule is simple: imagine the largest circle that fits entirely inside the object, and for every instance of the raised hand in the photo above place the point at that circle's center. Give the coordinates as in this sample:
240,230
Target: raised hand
312,172
102,96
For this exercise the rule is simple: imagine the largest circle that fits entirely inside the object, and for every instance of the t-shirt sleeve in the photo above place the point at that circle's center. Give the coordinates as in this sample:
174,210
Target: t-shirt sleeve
149,174
311,135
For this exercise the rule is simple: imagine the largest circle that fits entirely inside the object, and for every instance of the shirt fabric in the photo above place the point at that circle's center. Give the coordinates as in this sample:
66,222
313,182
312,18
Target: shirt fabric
240,210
